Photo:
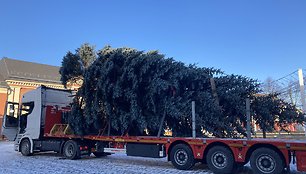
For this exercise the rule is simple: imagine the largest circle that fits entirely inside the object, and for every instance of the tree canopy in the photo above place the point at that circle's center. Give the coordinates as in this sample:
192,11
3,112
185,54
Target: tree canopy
126,91
74,64
270,111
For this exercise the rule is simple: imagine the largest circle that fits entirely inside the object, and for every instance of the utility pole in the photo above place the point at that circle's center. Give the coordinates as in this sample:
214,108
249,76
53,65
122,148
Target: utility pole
302,92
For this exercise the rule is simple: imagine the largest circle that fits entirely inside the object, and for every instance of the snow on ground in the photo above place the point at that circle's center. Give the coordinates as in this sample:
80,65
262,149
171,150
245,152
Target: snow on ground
14,162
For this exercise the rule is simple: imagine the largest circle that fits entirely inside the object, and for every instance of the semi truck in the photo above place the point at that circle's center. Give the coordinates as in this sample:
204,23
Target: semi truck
36,125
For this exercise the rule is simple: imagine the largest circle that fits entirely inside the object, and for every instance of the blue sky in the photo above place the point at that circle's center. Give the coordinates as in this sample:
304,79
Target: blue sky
258,39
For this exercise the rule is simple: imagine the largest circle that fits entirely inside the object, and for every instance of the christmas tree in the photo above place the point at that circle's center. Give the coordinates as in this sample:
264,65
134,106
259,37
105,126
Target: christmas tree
129,92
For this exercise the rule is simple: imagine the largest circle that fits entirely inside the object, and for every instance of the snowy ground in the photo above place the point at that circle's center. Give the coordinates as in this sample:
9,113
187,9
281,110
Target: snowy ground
14,162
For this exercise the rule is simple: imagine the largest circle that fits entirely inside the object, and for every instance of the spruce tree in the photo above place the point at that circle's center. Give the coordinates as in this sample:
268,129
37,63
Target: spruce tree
71,69
75,64
270,111
126,91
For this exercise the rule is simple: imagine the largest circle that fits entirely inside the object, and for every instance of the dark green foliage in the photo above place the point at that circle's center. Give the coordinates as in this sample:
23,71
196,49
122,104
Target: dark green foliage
71,69
289,114
131,90
270,111
87,55
76,118
233,91
74,65
265,111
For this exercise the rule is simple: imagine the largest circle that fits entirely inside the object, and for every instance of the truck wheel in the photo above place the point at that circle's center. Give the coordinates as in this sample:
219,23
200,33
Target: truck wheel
71,150
220,160
266,161
25,147
101,154
182,157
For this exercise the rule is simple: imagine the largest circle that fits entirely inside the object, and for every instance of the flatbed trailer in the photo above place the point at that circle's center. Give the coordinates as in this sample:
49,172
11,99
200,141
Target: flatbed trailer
45,131
221,155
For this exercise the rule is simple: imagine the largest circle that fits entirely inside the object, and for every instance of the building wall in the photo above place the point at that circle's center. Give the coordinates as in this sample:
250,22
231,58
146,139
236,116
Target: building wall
18,88
3,96
22,91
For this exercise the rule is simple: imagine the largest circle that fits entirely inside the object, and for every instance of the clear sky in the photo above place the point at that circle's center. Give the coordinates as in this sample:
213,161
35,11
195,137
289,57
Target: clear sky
258,39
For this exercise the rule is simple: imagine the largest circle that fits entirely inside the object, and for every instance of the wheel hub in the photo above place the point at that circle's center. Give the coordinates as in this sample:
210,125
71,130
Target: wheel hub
25,147
265,163
70,150
181,157
219,160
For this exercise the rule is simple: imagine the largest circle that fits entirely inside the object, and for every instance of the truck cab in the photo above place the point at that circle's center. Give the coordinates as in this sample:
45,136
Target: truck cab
38,111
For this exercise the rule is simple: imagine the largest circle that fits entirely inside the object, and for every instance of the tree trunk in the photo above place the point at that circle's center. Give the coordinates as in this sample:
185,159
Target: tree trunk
264,135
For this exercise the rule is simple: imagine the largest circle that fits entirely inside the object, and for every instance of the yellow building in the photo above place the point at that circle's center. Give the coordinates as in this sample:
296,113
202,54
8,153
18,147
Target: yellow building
18,77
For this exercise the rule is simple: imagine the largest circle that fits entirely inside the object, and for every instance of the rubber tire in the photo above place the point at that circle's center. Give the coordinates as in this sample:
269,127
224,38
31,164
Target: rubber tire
101,154
228,155
190,158
74,152
280,165
240,165
25,147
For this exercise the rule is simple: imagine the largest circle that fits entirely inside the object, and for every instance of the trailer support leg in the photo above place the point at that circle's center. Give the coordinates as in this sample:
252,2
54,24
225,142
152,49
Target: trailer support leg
193,120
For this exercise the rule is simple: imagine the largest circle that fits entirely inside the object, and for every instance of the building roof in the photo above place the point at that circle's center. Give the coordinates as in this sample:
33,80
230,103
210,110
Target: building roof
12,69
3,83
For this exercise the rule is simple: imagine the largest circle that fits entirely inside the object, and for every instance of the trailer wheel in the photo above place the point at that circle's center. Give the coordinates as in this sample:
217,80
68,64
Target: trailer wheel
101,154
181,157
266,161
241,164
71,150
220,160
25,147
